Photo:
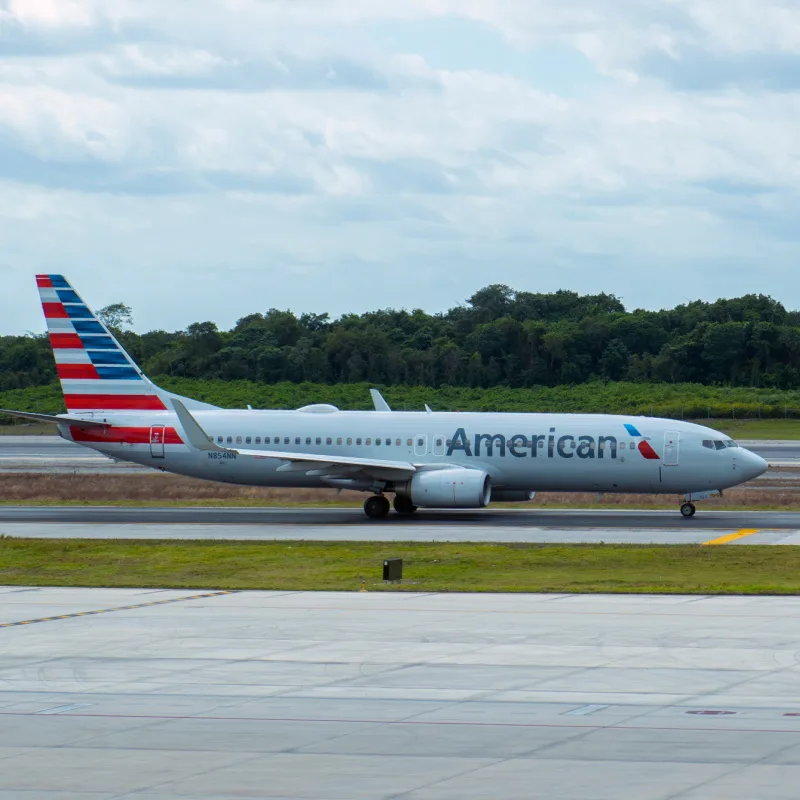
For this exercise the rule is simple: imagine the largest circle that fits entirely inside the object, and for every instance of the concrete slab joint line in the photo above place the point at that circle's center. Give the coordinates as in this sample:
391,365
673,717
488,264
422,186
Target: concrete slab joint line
118,608
732,537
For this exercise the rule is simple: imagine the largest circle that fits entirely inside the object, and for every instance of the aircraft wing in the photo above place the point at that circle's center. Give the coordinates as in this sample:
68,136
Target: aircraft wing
200,440
63,420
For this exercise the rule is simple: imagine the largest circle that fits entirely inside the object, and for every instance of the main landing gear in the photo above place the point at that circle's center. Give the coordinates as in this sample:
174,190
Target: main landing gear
377,506
403,506
688,509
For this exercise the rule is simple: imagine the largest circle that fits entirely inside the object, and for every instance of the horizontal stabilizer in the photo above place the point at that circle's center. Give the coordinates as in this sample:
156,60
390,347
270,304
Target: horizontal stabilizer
81,423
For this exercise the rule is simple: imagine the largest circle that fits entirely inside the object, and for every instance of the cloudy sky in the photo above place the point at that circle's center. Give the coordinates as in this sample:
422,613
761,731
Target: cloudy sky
206,160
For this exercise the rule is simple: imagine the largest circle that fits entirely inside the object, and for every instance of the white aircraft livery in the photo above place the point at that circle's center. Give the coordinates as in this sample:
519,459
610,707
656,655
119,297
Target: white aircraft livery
425,459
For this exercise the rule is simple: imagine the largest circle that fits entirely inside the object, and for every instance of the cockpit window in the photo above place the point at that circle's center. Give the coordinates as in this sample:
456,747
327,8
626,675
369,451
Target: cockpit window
730,443
708,443
719,445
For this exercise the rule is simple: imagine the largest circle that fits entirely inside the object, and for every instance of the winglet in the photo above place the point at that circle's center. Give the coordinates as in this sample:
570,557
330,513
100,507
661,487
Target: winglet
377,399
195,435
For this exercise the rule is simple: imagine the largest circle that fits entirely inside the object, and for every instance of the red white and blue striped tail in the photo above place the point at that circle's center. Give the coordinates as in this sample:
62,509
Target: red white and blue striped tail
96,374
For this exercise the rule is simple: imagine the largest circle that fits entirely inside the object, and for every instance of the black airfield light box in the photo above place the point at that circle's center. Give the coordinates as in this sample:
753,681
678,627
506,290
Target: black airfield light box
393,569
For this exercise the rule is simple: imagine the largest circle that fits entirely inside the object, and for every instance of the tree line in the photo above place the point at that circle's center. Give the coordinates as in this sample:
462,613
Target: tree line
499,337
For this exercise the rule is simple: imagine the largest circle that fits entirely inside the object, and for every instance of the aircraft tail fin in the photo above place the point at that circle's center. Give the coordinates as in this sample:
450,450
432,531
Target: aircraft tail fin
96,373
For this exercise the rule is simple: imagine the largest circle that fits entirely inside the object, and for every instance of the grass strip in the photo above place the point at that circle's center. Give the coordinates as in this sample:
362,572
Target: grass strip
474,567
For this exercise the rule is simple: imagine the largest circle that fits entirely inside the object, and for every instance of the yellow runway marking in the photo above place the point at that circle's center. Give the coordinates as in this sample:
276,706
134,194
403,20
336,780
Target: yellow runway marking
732,537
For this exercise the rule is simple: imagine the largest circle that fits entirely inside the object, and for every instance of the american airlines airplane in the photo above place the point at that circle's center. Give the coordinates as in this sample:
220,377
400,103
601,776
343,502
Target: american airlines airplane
425,459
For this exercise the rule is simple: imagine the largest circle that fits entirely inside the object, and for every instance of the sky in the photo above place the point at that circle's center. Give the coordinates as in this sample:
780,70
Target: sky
207,160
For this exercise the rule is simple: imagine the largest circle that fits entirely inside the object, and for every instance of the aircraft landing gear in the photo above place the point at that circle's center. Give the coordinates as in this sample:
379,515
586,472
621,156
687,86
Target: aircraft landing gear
688,509
376,507
403,505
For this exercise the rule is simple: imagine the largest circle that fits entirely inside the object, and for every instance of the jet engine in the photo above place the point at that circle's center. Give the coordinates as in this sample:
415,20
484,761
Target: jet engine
512,495
449,488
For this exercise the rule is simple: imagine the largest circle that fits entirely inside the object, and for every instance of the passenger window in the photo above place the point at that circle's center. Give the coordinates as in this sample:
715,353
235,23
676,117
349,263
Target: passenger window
388,442
319,440
602,446
420,443
633,445
621,444
409,443
329,440
248,440
358,441
708,444
349,440
368,442
397,443
286,440
339,440
573,444
219,439
377,441
308,440
230,440
438,443
540,443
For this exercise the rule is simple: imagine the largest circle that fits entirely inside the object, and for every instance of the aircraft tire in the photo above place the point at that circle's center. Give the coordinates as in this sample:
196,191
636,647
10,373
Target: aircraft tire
403,506
376,507
688,509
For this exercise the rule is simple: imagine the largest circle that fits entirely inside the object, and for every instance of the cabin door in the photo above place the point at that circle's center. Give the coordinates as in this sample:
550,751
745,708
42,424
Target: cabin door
157,441
671,446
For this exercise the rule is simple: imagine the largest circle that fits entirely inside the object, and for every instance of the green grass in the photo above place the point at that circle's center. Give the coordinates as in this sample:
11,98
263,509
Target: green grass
427,567
756,428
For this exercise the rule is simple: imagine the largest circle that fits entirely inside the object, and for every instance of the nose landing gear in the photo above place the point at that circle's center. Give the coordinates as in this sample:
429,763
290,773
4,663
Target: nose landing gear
688,509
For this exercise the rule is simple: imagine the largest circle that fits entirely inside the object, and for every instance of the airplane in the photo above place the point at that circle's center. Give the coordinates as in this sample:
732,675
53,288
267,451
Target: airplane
426,459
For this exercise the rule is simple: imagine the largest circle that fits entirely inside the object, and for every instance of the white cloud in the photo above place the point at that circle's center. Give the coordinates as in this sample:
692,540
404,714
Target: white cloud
289,151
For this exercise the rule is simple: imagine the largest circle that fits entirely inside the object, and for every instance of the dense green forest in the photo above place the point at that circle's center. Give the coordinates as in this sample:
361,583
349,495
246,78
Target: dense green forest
681,401
499,338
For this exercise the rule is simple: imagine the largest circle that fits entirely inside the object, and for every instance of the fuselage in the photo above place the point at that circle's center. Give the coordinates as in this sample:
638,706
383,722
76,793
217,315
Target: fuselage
537,452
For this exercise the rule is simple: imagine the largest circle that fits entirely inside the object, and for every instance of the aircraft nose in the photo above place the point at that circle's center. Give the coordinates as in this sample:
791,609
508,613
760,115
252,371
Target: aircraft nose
750,465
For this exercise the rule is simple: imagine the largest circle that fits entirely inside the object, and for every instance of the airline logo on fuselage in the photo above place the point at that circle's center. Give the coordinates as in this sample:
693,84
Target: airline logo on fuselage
548,445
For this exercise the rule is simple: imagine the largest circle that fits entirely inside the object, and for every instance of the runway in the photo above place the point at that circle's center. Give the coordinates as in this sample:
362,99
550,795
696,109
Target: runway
344,524
326,696
53,454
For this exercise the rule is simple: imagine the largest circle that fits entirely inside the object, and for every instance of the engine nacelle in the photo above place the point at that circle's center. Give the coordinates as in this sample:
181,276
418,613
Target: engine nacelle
450,488
512,495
